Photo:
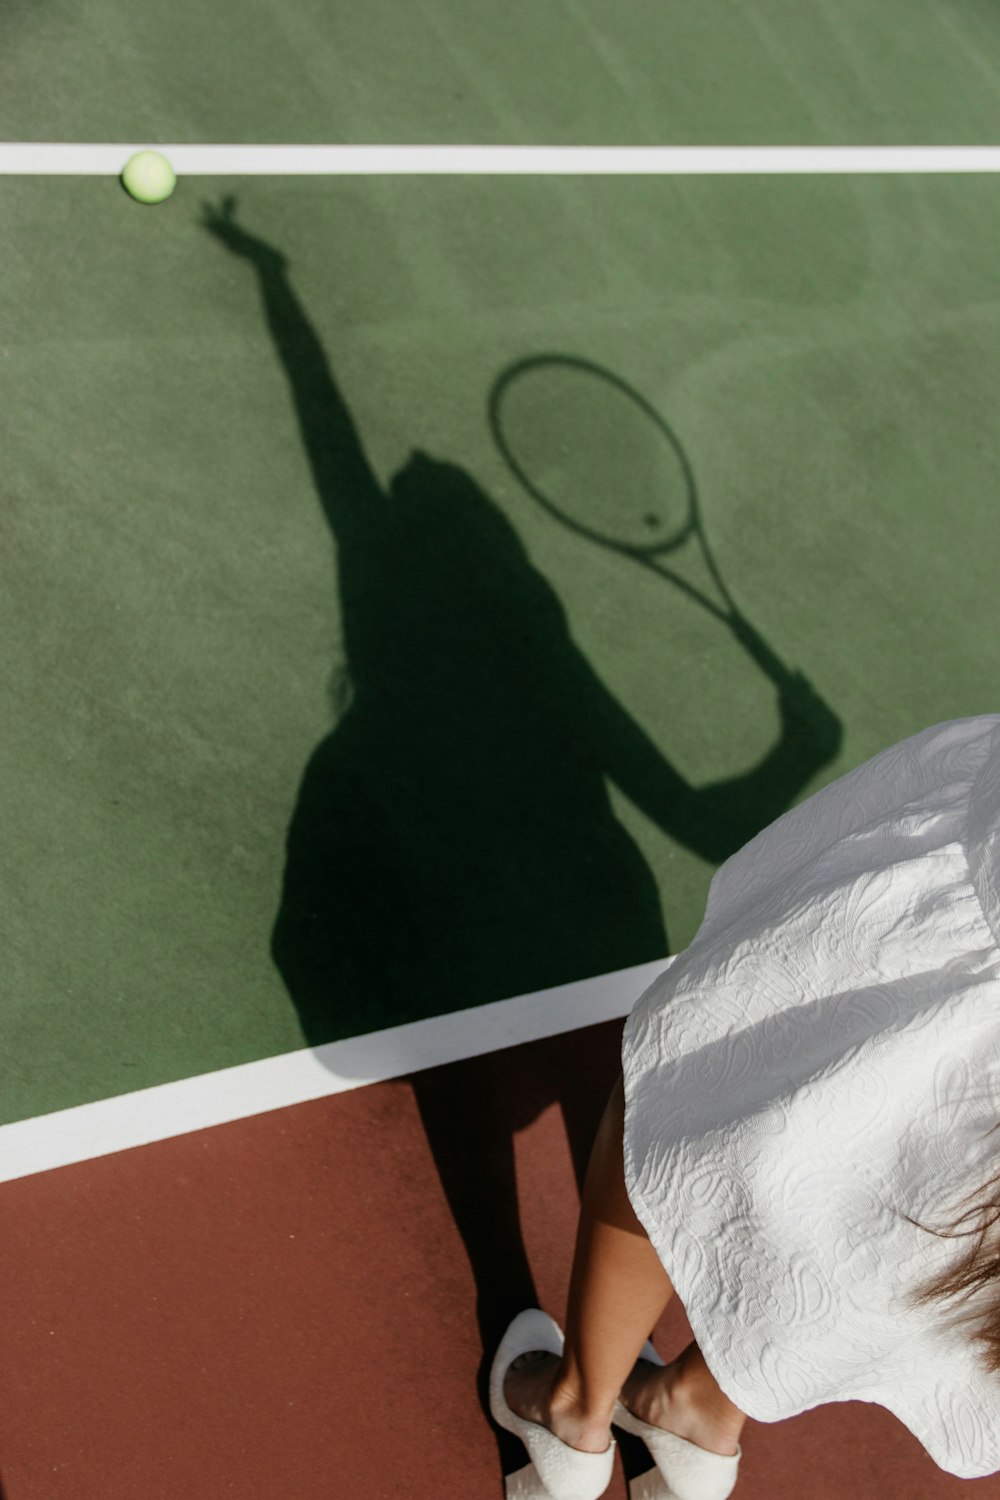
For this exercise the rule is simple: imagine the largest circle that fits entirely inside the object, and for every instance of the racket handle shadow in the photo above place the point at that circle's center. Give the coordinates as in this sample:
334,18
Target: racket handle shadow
756,647
801,705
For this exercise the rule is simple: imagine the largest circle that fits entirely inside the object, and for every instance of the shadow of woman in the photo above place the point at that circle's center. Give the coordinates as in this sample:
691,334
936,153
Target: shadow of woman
453,841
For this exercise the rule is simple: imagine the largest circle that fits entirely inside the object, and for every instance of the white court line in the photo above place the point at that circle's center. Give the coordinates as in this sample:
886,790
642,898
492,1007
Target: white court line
100,159
171,1109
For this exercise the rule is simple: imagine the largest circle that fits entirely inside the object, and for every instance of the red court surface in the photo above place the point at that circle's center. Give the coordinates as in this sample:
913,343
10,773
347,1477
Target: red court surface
284,1306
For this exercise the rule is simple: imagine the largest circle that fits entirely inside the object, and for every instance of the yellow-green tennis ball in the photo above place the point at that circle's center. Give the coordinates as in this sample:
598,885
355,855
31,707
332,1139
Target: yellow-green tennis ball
149,177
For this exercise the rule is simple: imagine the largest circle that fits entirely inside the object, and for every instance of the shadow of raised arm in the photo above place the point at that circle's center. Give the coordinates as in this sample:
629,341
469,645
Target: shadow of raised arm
716,819
340,467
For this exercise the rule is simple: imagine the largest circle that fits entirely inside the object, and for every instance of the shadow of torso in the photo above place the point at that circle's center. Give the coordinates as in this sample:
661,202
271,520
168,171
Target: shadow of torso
454,841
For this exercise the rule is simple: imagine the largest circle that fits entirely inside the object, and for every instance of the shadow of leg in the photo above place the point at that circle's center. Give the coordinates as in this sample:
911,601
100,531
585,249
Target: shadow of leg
470,1122
589,1062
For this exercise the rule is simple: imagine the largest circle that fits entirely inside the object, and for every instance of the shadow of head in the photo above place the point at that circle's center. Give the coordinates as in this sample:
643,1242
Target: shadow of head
443,501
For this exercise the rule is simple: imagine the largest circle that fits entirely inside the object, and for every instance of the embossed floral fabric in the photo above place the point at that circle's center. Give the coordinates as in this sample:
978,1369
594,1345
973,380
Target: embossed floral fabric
825,1054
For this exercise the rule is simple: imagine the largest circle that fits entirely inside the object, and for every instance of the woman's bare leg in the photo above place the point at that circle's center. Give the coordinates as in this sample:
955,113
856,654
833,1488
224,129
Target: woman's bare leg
618,1290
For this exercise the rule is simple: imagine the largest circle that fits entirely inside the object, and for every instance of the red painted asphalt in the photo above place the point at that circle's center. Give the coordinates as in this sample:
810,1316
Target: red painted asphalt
285,1306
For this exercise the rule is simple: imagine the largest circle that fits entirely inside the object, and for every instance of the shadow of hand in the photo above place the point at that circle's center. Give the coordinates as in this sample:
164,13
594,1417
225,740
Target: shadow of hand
222,224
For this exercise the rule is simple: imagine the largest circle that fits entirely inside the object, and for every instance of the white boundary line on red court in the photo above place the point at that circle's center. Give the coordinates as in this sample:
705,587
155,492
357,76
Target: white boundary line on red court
79,1134
77,158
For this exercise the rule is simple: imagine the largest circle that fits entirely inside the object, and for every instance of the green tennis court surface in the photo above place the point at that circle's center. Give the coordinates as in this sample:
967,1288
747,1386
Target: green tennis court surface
795,71
178,649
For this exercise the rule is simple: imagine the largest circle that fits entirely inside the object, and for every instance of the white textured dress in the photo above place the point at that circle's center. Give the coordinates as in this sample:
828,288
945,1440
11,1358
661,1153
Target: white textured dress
827,1051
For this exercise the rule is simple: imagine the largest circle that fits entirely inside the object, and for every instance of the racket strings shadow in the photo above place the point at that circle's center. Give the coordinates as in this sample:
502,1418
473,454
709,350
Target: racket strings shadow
646,507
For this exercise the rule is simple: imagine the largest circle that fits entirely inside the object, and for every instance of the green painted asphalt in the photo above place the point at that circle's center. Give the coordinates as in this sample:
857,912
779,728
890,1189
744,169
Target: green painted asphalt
830,72
506,726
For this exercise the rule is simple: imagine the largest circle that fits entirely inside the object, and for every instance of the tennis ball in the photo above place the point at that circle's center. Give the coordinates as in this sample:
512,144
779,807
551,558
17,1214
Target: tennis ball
149,177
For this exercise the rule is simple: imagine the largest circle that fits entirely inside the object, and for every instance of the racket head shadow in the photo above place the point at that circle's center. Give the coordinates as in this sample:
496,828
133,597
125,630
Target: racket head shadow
594,453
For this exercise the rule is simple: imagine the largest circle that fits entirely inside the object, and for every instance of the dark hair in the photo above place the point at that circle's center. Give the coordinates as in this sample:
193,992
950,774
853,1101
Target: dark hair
976,1271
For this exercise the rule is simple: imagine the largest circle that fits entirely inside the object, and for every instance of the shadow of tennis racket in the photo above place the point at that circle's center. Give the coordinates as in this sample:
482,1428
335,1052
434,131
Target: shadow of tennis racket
596,455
